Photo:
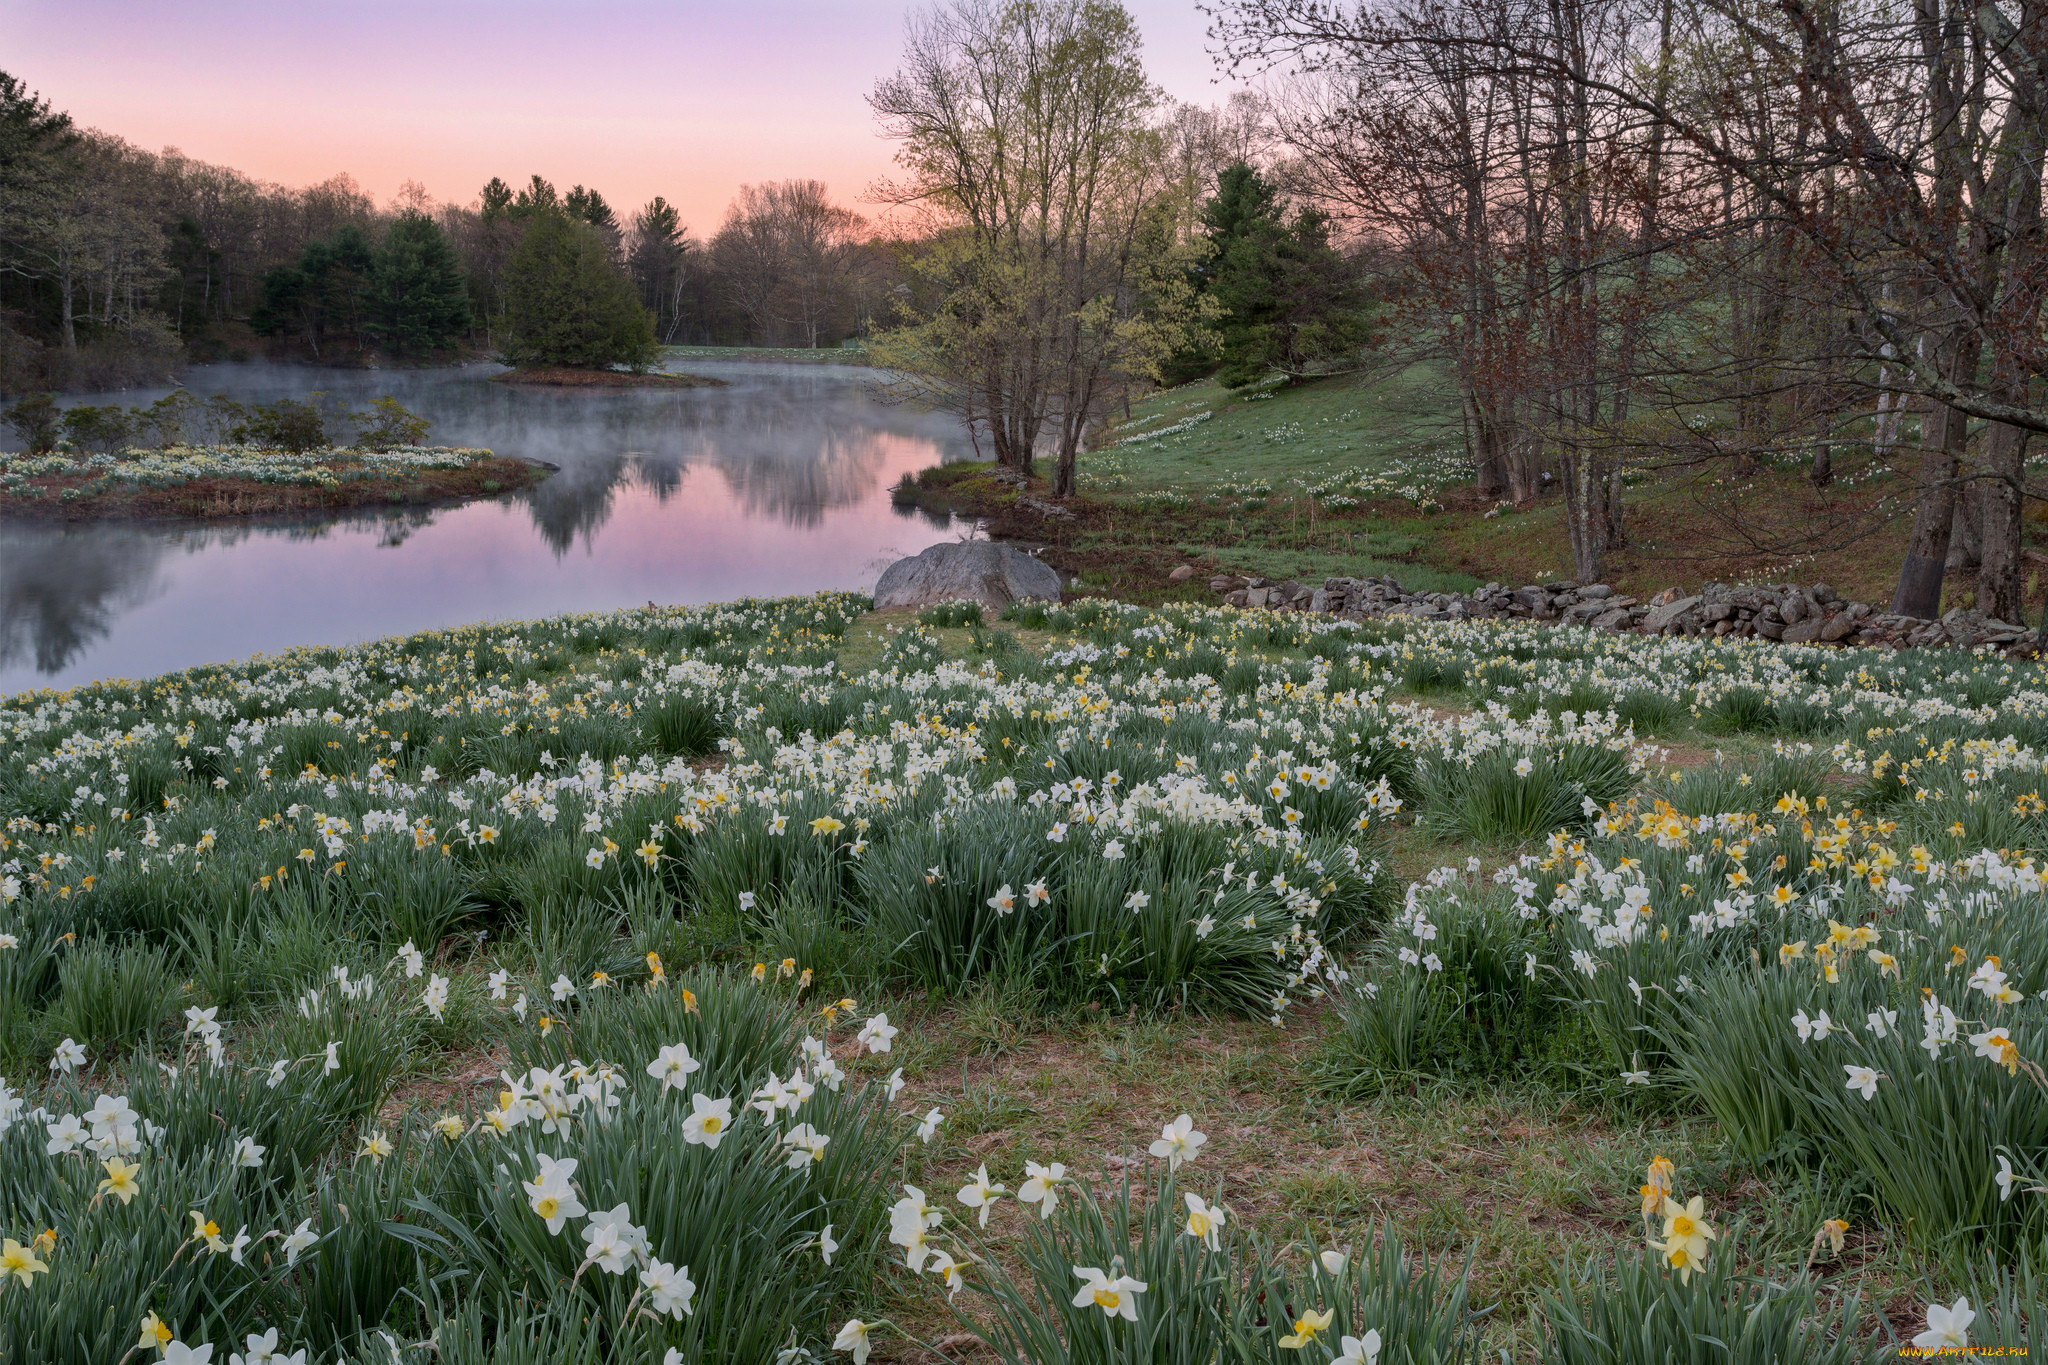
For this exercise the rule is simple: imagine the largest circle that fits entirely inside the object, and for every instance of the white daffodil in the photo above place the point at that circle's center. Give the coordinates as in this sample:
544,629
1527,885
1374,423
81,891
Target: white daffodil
708,1120
673,1065
1363,1350
668,1288
298,1240
1042,1186
551,1194
1116,1298
1863,1079
1179,1142
981,1193
854,1337
877,1034
1947,1327
930,1127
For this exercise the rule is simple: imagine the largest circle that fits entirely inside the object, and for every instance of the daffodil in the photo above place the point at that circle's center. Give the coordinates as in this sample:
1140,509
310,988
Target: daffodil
19,1262
1179,1142
1117,1298
1363,1350
708,1120
1305,1329
1042,1186
854,1337
981,1193
1205,1221
673,1065
120,1181
1947,1328
550,1193
1686,1225
669,1289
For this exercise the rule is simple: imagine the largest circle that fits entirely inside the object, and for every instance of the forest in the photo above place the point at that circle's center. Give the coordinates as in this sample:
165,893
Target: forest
117,263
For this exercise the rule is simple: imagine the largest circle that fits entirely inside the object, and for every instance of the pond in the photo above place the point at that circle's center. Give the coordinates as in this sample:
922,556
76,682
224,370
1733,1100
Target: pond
777,483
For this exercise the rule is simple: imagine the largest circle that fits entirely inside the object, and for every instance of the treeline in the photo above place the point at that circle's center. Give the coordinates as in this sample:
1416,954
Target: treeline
117,263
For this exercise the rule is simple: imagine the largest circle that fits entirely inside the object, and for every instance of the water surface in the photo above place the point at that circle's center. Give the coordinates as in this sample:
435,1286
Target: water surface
775,484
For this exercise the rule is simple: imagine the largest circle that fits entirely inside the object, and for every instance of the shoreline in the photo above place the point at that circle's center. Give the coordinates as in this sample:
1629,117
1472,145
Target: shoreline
230,499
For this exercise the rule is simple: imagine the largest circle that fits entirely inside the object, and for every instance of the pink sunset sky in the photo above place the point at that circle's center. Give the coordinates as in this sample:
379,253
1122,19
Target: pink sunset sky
683,98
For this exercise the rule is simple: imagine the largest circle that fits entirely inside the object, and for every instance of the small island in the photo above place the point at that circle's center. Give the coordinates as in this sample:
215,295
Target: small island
244,480
572,377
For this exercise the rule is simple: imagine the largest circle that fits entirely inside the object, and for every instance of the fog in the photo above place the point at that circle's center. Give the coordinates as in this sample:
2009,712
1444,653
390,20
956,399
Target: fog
776,483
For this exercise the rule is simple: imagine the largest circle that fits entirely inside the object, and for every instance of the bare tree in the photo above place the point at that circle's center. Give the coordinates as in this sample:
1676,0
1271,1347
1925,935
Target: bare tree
1055,269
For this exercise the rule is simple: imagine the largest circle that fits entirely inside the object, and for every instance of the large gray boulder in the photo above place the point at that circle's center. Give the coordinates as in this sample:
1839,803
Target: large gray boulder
985,571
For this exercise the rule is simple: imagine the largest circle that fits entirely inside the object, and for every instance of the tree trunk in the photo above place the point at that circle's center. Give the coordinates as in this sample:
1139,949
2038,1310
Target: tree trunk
1920,577
2000,591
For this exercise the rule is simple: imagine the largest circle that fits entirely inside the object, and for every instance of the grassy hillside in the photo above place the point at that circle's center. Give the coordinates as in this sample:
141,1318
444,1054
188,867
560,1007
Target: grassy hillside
1368,476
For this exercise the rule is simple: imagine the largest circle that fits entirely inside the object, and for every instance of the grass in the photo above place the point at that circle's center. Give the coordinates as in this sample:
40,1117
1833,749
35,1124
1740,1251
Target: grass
800,355
1233,488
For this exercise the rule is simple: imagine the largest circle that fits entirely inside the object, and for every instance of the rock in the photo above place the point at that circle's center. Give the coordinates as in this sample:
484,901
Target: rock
1665,612
1237,598
1793,606
1595,591
1769,629
1665,598
1823,594
1836,627
1256,597
1225,583
1803,632
1319,600
1719,611
1612,619
992,573
1183,573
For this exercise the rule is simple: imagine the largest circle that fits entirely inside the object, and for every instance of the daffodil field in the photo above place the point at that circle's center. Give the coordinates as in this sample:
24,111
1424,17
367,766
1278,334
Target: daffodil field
542,992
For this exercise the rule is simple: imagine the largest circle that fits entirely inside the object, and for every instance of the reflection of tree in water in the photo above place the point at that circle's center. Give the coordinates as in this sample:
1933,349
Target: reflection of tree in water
576,501
842,467
60,593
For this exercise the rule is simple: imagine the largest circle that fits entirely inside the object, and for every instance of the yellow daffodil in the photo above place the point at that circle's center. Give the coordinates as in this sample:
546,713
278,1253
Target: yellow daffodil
120,1181
1305,1328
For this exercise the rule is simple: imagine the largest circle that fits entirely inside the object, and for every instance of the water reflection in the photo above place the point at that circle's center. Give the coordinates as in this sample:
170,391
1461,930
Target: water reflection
775,484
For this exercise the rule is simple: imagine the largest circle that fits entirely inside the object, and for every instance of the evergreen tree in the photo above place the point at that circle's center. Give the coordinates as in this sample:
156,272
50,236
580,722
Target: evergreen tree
1291,303
568,304
537,198
420,303
325,296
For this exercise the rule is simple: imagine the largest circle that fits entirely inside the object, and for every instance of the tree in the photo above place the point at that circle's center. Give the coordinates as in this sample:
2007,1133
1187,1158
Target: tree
1027,140
785,253
326,295
1850,194
658,263
1291,304
568,304
420,303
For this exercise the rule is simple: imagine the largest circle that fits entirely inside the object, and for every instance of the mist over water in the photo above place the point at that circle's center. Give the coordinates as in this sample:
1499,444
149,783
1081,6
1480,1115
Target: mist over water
776,484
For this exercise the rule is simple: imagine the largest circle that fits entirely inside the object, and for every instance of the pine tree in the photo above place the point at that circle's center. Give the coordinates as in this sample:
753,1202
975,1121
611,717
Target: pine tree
568,304
1292,304
420,303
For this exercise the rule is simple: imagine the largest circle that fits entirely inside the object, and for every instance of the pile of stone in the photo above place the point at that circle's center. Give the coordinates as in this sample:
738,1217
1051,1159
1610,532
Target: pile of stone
1776,611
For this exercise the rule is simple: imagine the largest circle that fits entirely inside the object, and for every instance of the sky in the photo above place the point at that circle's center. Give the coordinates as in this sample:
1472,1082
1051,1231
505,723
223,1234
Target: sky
684,98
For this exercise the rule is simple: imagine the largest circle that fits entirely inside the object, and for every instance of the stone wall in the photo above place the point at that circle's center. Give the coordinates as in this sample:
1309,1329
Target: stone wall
1776,611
